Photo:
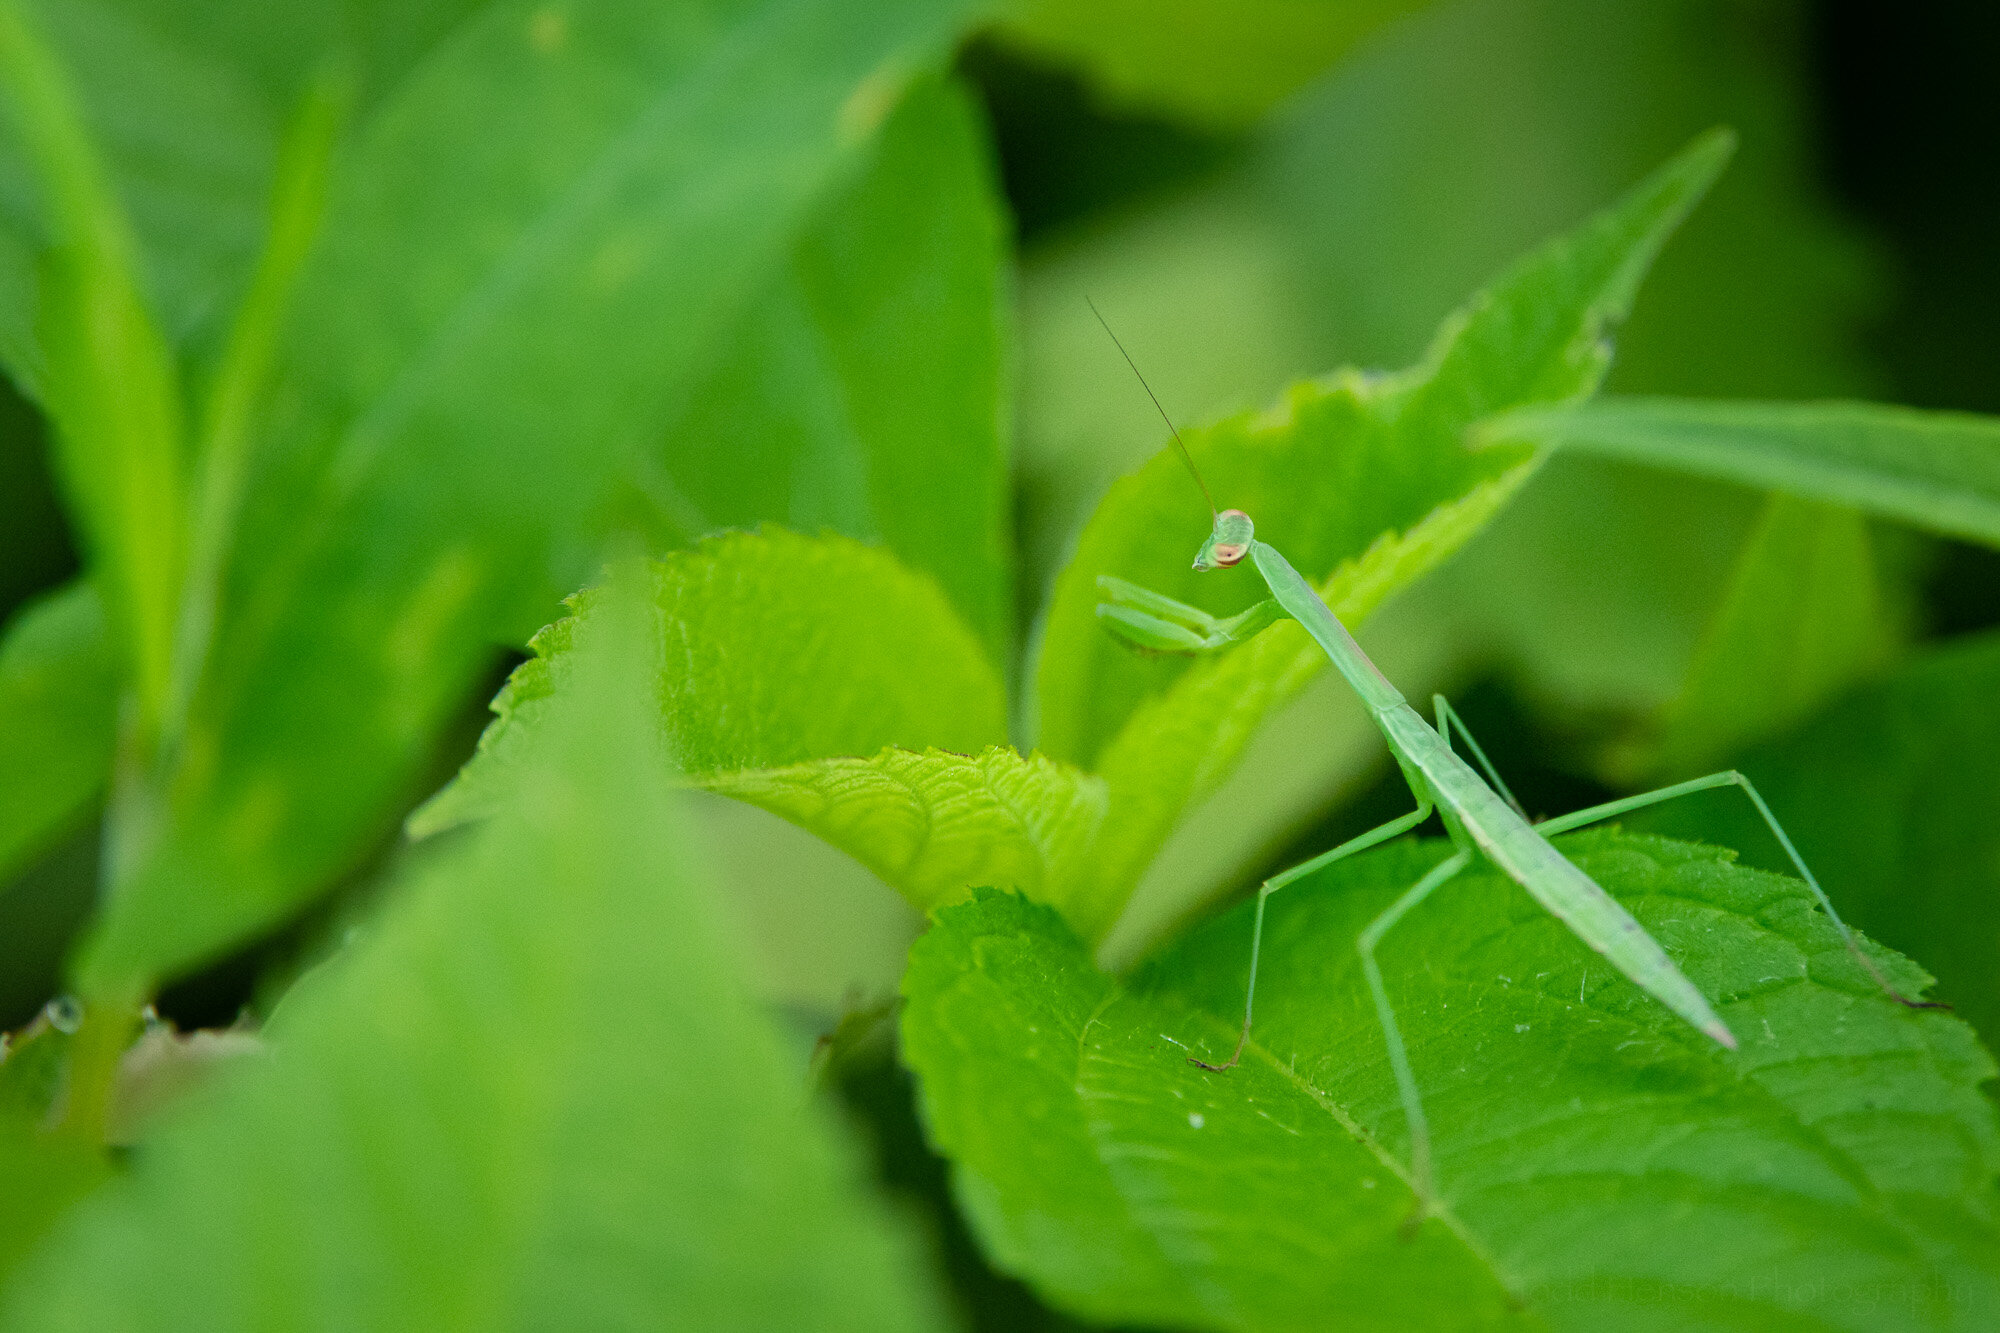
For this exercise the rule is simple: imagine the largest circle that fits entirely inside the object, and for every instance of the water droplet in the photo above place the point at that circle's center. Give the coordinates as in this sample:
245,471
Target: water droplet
65,1014
1197,1119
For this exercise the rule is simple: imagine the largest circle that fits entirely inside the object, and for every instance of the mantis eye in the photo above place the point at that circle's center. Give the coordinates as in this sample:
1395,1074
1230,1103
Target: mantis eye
1231,540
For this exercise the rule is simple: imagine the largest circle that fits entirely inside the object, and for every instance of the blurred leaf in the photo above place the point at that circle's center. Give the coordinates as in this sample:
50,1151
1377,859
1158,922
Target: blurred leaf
1205,60
31,1071
58,720
184,143
1600,1166
1801,622
865,390
1889,796
227,430
1363,482
448,1125
1934,470
109,381
478,346
45,1172
187,100
936,824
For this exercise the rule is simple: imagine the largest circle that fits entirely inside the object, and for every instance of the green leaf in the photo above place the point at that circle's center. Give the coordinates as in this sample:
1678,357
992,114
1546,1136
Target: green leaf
819,679
184,137
1600,1164
776,649
109,381
865,390
935,824
1802,620
46,1174
448,1126
188,100
1889,796
1934,470
1205,60
45,1171
58,720
477,347
1365,484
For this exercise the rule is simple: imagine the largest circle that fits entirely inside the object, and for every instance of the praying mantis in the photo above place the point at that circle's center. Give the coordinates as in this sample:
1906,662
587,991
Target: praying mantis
1481,817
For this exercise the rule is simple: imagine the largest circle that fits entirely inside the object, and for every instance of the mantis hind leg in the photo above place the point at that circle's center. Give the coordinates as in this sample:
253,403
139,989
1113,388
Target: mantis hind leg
1278,881
1448,718
1731,778
1385,1013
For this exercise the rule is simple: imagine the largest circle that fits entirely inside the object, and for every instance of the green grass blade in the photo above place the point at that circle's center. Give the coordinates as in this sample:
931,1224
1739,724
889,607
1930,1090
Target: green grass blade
1599,1165
1934,470
58,720
298,199
449,1128
109,379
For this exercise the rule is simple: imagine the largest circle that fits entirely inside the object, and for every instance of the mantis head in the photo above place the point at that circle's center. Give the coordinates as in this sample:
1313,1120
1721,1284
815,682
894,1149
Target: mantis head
1228,542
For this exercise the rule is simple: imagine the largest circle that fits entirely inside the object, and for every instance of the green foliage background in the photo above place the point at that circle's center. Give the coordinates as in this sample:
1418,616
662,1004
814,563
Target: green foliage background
814,933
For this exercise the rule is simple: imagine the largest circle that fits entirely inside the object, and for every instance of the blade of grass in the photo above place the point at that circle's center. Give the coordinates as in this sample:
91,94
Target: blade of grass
298,201
111,383
1935,470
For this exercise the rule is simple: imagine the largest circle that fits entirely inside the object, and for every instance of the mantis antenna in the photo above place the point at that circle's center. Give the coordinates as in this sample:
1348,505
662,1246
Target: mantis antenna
1186,457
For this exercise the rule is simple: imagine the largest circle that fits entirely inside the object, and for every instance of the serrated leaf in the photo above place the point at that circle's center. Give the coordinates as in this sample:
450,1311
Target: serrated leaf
819,679
935,824
1365,484
476,348
58,720
1205,60
1801,621
446,1129
1374,202
776,648
1599,1165
865,389
1889,796
1934,470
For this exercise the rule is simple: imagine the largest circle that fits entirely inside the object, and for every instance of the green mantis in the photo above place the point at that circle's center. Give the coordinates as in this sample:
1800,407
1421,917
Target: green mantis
1480,816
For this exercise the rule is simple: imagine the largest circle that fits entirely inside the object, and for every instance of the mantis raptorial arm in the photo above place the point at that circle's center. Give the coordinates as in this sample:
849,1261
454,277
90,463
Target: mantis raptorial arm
1148,620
